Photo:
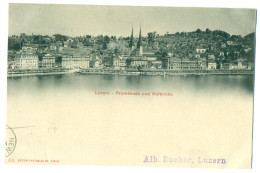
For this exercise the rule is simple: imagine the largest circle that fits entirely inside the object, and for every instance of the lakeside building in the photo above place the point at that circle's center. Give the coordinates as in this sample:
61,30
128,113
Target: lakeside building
120,62
212,65
134,62
156,64
11,64
48,61
144,62
176,63
150,56
201,63
76,61
241,64
26,61
108,62
188,64
66,61
165,63
237,65
96,64
227,66
116,62
80,62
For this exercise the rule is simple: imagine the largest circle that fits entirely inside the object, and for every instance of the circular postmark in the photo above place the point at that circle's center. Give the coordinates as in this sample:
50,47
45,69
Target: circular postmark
10,142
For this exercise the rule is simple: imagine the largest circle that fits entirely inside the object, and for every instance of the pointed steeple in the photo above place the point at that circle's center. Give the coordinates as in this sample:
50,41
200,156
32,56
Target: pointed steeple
139,44
131,43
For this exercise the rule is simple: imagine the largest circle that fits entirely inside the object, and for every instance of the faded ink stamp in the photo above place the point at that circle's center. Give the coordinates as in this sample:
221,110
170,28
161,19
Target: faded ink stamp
10,142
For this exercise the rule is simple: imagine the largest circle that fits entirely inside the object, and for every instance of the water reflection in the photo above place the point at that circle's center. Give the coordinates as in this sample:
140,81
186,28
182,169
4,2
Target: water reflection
206,84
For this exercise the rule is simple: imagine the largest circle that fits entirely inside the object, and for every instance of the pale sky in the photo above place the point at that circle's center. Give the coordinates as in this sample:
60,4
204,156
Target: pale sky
76,20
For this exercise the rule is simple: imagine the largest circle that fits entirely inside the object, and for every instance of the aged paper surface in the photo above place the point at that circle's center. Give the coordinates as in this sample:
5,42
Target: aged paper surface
130,86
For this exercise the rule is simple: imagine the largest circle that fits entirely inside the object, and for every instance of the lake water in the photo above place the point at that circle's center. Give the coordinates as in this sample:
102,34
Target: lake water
193,84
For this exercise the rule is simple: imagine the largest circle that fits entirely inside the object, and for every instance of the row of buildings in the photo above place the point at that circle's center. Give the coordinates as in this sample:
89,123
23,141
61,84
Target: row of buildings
33,61
27,58
204,64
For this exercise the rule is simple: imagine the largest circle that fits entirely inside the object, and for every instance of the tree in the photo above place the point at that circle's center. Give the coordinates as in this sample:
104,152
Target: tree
99,39
223,34
104,45
74,44
86,42
235,38
113,38
151,37
208,30
250,55
106,39
14,44
198,31
162,52
59,37
117,51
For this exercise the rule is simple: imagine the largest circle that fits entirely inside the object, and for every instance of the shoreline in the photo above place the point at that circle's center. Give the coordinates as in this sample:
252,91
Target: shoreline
36,74
166,72
132,73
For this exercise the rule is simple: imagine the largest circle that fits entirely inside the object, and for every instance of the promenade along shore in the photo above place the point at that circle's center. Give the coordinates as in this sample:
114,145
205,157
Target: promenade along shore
151,72
148,72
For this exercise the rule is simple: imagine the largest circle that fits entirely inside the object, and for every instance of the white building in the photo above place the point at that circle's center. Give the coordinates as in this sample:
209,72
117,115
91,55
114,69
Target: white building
200,50
26,61
212,65
53,47
48,61
69,61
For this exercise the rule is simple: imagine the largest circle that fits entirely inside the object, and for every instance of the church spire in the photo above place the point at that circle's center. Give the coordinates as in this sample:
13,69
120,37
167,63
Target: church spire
131,43
139,44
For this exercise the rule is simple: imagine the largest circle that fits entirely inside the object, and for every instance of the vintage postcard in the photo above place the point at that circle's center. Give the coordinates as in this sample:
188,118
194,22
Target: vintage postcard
130,86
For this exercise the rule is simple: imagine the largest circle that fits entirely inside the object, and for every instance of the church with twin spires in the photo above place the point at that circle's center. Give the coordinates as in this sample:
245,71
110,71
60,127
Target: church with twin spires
139,47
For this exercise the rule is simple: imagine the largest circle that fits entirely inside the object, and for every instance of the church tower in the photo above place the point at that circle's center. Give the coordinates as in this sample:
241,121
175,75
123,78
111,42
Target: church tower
131,44
140,44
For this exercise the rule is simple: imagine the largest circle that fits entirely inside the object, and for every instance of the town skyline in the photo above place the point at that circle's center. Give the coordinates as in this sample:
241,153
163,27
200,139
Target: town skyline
152,49
79,20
